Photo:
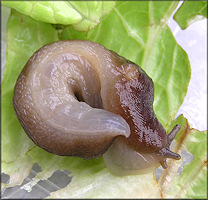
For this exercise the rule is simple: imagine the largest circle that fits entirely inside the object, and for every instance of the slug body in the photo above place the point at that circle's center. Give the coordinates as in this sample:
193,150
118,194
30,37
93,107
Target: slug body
77,98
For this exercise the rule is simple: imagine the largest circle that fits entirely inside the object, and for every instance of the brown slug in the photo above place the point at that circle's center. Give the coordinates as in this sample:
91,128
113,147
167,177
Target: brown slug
77,98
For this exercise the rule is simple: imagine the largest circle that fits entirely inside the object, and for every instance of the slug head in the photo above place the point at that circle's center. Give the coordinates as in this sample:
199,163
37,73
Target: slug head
148,144
122,159
147,134
166,152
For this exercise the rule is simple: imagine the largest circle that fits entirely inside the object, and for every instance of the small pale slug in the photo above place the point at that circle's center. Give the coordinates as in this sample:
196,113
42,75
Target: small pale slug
77,98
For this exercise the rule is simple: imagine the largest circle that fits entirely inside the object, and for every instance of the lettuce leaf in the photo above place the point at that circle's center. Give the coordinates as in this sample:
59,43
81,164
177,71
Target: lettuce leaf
83,15
189,12
149,43
91,179
192,181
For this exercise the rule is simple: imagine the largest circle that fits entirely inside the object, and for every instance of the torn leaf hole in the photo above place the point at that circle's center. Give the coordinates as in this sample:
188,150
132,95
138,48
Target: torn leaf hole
187,158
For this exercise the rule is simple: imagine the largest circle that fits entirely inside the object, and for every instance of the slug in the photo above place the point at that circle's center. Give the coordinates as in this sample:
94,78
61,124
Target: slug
77,98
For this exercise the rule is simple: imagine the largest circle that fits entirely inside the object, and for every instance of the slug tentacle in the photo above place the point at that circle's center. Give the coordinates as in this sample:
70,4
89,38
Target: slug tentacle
77,98
170,154
164,164
166,152
173,133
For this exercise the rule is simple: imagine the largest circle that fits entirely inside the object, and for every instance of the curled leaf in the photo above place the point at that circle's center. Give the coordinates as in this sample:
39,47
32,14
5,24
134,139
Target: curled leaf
83,15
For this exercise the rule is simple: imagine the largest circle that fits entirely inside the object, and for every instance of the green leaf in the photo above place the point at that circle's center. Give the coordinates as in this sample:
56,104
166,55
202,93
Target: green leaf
192,182
149,43
24,37
83,15
189,12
